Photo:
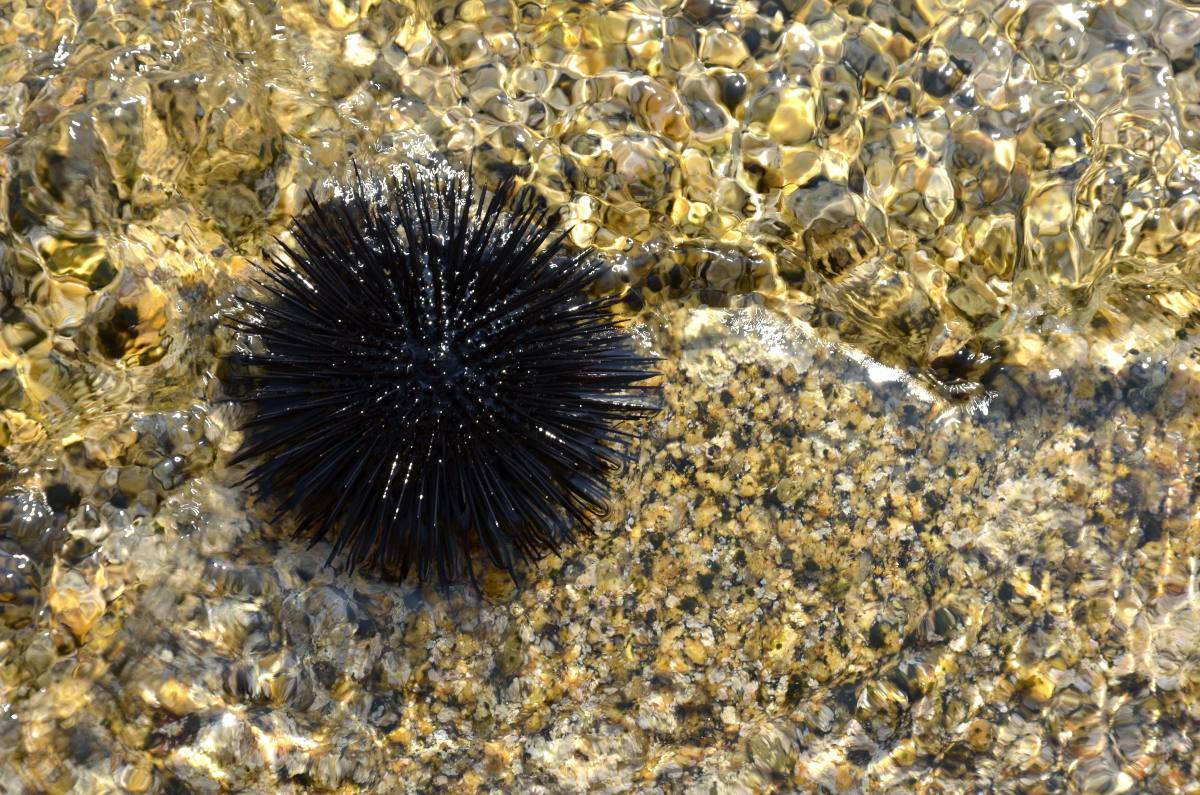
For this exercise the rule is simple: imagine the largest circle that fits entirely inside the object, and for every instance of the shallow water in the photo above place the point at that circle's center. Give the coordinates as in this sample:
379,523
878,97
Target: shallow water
921,512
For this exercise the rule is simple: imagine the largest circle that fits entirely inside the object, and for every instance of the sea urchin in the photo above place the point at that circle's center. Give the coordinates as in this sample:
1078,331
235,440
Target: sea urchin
432,377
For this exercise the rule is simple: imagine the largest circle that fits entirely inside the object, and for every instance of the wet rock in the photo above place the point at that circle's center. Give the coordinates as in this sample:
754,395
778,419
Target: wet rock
20,587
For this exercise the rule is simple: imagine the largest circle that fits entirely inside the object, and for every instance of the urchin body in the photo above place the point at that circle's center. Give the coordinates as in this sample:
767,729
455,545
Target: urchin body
431,377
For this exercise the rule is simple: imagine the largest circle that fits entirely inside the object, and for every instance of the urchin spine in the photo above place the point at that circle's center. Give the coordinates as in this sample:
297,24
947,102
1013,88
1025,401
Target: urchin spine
431,375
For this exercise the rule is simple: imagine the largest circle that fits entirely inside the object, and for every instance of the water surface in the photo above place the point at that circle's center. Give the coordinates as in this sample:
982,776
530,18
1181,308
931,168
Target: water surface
920,514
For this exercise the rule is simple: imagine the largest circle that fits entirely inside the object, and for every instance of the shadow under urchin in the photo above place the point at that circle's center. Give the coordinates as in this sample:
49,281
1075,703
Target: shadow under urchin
431,377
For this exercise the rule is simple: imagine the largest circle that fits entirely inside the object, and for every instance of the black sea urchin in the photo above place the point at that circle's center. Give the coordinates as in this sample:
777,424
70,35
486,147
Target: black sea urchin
430,376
